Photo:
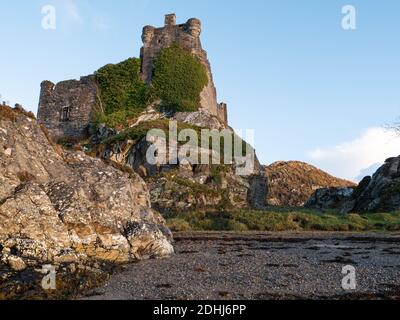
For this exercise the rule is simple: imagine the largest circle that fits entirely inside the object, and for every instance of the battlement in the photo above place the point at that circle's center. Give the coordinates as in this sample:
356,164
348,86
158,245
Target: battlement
170,19
156,39
172,31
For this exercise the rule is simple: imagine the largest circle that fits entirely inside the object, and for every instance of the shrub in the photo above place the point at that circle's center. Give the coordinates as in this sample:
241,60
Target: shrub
7,113
117,120
179,225
178,79
122,92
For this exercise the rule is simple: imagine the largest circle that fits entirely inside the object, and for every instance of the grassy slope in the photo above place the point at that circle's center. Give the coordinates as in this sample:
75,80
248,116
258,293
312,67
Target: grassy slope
280,219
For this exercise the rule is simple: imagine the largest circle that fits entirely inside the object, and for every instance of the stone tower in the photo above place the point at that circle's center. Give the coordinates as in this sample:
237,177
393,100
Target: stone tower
65,108
186,35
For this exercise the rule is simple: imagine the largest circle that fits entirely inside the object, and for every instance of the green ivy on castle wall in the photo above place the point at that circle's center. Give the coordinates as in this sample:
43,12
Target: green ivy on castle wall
123,94
178,79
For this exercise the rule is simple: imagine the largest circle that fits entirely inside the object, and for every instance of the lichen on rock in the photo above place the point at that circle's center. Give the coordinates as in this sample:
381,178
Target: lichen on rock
61,206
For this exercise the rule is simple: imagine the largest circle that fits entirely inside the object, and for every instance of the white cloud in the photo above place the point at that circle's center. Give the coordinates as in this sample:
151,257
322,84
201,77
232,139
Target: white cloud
348,159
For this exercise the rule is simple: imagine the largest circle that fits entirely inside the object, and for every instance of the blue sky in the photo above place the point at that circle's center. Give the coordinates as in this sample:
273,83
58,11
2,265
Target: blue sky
311,90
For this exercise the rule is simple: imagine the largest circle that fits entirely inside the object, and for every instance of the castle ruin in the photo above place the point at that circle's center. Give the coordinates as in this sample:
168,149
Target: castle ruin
65,109
187,35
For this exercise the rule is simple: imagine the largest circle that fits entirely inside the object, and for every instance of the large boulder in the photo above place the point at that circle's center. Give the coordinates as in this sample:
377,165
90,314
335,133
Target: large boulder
339,199
59,206
381,192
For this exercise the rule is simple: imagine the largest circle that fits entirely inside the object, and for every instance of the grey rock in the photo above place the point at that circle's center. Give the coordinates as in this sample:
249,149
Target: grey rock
332,198
381,192
200,119
101,133
59,206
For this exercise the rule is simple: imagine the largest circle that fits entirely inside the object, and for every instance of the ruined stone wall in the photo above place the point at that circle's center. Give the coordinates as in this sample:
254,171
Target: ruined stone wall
222,112
80,97
188,36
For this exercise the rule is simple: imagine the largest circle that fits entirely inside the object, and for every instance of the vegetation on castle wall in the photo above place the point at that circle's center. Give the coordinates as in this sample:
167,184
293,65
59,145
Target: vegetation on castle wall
123,94
179,77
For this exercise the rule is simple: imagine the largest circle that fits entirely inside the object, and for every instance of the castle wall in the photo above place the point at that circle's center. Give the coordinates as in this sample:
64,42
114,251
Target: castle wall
74,99
222,112
188,36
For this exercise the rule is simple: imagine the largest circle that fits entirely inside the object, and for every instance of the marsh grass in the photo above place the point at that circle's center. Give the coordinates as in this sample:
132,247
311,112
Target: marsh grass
283,219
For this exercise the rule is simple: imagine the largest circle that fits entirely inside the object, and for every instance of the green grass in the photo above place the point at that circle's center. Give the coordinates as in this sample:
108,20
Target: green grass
279,219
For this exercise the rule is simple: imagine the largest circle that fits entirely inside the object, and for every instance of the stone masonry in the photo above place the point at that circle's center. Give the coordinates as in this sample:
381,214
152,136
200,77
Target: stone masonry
65,108
188,36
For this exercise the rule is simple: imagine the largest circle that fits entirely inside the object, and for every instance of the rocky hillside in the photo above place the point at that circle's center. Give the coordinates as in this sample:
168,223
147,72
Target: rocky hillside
61,206
292,183
379,193
181,187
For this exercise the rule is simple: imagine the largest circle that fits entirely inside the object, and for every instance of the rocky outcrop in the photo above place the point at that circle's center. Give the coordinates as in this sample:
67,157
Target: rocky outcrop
379,193
258,190
182,186
292,183
200,119
201,188
340,199
63,206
